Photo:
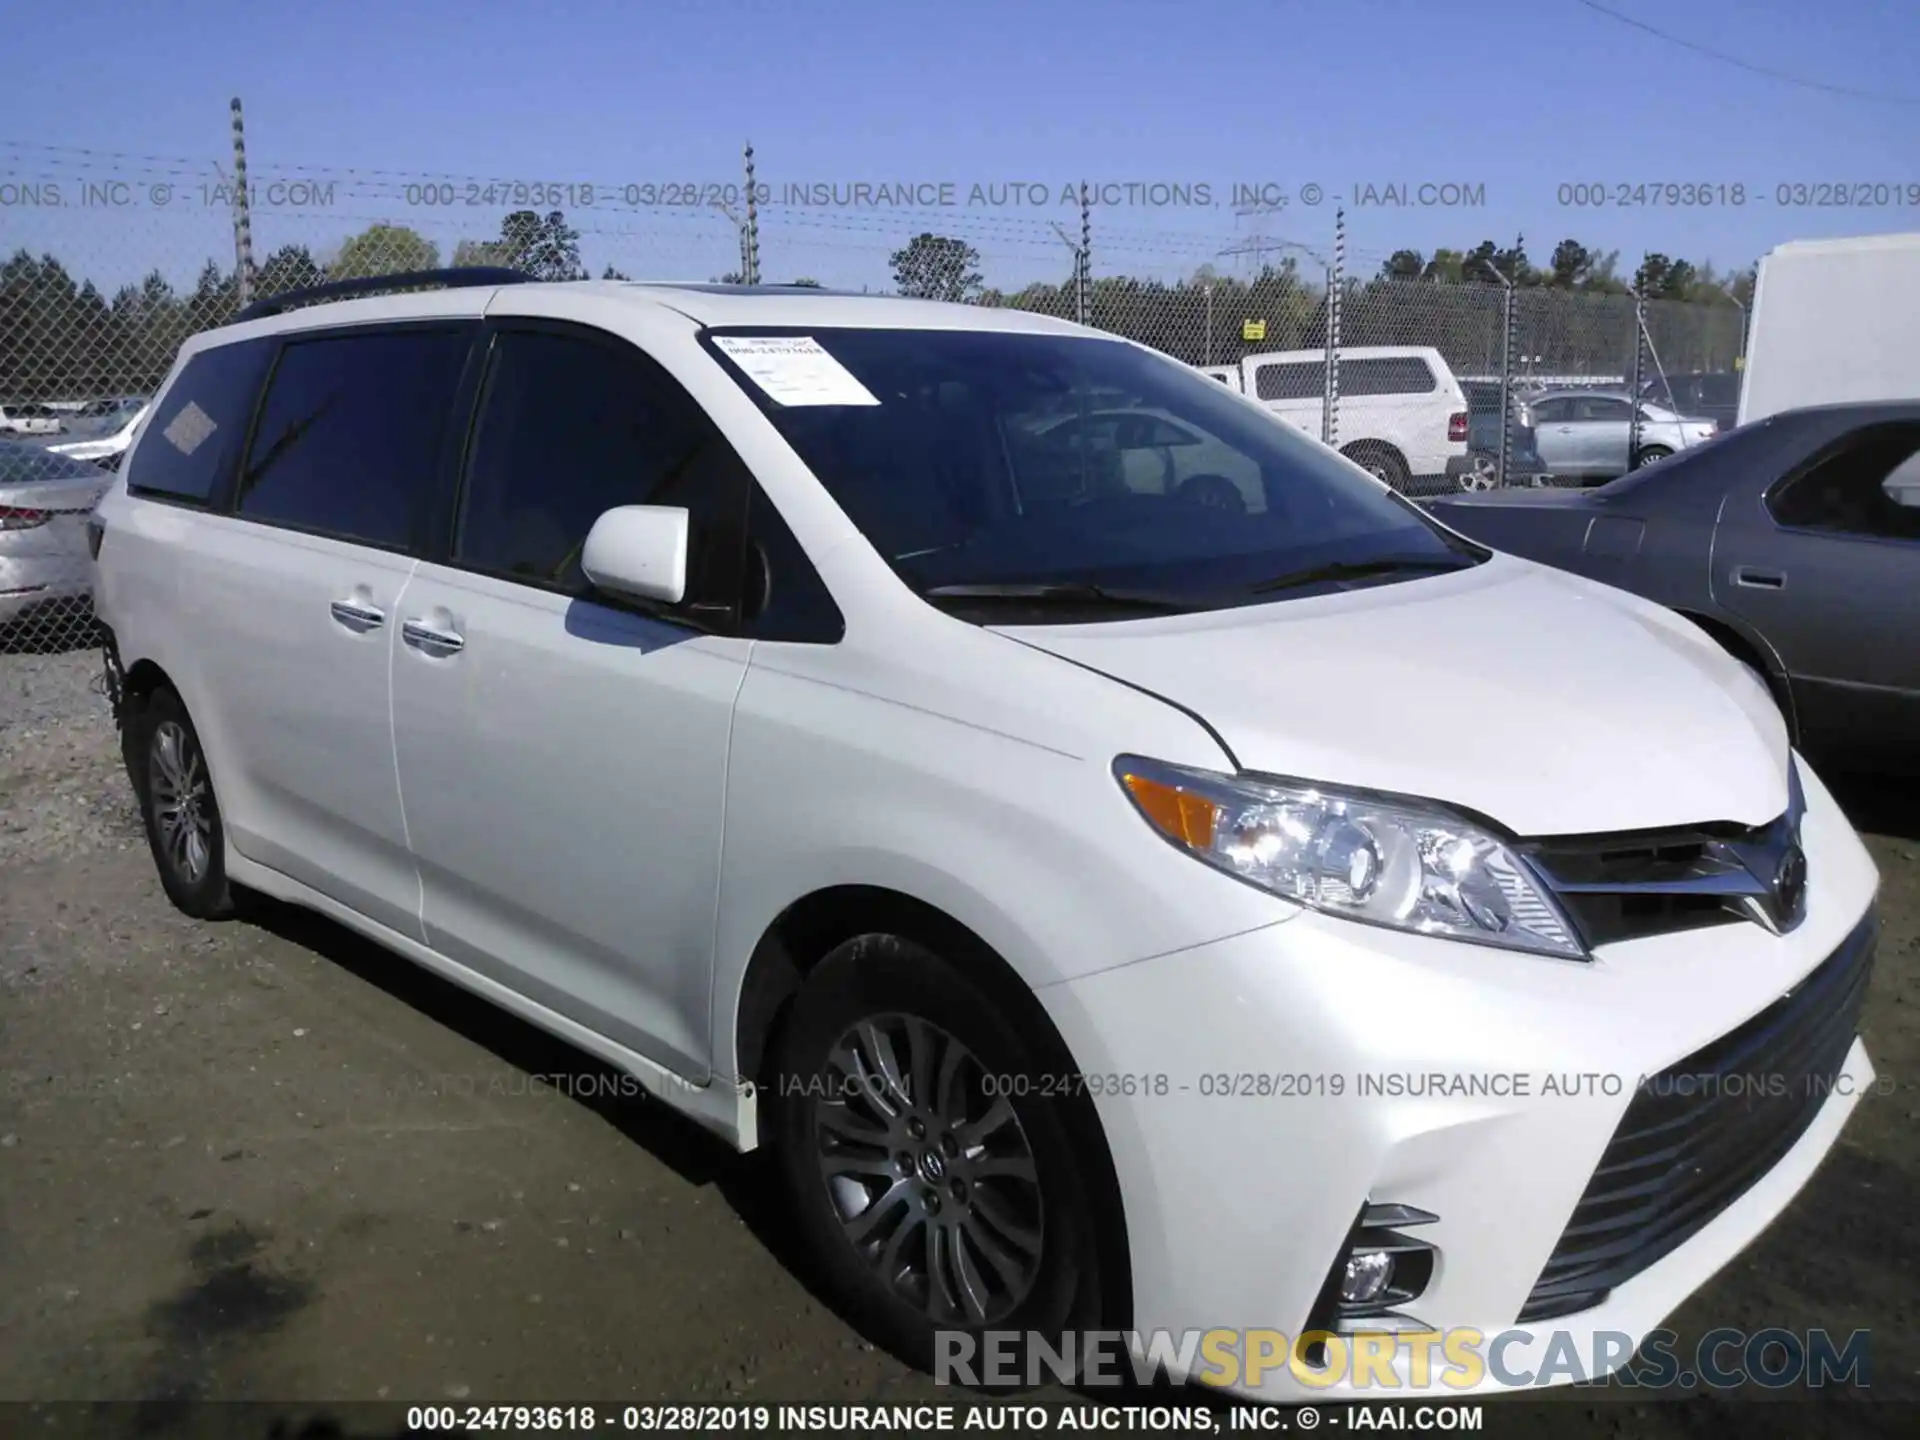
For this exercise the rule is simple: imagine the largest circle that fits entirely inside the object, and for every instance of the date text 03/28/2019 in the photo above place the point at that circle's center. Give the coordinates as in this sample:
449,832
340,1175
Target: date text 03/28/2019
1312,1085
1702,194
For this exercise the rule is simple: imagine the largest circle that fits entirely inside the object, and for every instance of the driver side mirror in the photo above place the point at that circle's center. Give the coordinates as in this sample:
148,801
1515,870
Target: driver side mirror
639,552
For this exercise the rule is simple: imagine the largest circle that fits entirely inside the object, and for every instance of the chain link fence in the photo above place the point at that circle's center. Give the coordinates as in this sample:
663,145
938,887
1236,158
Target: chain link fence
112,260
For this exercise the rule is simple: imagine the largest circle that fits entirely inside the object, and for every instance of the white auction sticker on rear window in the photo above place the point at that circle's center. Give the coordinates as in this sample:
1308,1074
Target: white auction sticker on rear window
190,429
794,370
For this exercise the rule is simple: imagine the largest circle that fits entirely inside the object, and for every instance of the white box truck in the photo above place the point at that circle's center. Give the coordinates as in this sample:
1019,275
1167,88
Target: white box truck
1834,321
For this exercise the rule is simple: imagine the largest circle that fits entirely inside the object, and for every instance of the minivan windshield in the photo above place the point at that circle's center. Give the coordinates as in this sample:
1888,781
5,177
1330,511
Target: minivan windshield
1072,472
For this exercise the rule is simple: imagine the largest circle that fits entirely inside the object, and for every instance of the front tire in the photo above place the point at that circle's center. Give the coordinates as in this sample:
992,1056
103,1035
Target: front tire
179,808
1650,454
927,1159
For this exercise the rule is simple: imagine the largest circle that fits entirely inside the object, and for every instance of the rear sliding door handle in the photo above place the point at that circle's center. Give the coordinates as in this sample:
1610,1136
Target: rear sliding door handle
1754,579
430,638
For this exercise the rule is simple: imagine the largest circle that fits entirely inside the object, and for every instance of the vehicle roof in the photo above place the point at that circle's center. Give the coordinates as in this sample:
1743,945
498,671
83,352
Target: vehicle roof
1354,352
707,305
1851,411
1848,245
1590,394
20,463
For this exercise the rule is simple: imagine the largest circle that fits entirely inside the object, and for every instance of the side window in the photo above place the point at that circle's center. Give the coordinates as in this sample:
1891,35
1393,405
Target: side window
1100,432
351,434
1134,432
571,427
1600,407
1400,375
193,439
1552,412
786,598
1859,489
1296,380
1160,432
1719,390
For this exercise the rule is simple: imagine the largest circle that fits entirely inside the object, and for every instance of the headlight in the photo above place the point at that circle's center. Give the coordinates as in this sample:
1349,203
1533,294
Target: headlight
1407,864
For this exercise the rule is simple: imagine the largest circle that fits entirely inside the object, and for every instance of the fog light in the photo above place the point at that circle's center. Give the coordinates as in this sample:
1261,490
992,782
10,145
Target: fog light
1366,1277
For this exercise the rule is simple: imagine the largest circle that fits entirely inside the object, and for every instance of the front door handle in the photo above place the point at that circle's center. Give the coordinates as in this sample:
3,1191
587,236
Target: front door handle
431,638
358,616
1759,579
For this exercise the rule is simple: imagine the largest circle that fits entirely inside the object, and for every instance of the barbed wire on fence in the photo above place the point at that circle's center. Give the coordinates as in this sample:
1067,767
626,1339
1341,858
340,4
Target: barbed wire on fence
119,257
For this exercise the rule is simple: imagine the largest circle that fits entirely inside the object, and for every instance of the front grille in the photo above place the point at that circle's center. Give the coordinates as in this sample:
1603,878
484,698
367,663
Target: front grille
1699,1134
1626,874
1630,886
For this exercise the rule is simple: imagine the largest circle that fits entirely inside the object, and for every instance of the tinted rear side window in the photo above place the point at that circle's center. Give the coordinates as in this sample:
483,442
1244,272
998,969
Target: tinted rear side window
1401,375
193,439
352,431
1293,381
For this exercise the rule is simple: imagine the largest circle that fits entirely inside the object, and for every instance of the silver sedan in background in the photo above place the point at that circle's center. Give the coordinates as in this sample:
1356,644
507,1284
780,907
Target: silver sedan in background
46,568
1586,434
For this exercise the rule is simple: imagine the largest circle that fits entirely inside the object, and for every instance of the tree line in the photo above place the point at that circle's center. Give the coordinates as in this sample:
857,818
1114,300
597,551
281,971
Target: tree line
1574,315
63,337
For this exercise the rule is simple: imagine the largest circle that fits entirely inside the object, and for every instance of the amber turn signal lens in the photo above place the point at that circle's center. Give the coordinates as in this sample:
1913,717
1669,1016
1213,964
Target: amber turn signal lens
1180,814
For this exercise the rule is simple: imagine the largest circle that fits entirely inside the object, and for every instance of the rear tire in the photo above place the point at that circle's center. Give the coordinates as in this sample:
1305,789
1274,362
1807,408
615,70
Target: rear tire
1482,472
178,807
1651,454
927,1161
1380,461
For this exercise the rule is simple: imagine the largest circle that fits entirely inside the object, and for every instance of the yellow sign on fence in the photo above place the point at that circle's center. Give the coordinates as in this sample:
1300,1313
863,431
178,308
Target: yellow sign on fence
1253,329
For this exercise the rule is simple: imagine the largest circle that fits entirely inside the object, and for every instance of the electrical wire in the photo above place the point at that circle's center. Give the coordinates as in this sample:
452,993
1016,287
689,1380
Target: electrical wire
1747,65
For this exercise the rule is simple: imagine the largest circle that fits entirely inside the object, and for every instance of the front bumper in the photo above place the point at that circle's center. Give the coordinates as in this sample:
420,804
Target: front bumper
1286,1077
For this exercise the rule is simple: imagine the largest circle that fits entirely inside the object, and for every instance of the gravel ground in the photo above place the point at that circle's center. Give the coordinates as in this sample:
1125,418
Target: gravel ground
266,1160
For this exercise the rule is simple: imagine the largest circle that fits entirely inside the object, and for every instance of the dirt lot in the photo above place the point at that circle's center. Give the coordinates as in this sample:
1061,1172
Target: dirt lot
269,1161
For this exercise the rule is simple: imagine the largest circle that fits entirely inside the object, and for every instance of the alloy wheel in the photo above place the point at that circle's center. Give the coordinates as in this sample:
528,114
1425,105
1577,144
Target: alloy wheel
929,1170
182,800
1480,474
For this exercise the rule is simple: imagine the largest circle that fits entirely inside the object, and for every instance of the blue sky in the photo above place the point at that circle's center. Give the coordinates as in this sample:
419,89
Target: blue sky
1520,96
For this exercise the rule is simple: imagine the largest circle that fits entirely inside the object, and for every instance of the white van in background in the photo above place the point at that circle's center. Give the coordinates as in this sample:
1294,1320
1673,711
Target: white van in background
1403,415
1834,321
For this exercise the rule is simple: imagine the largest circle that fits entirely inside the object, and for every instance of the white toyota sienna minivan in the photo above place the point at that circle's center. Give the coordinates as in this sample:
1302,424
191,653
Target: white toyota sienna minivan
1120,895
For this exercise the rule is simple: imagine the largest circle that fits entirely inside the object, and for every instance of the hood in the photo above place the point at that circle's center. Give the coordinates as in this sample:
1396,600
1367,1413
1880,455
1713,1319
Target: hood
1516,498
1552,704
1545,524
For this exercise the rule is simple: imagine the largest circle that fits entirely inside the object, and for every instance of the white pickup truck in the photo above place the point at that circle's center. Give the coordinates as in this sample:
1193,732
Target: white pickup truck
1403,415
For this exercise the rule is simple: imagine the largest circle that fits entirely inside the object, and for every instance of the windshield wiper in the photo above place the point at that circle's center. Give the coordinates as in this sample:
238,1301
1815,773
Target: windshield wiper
1066,593
1360,570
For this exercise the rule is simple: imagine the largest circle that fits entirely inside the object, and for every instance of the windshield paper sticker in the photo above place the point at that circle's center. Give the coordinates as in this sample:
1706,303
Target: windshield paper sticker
794,370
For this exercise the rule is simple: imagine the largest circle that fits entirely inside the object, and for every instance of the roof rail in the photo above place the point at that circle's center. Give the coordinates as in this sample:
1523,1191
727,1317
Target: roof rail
454,279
